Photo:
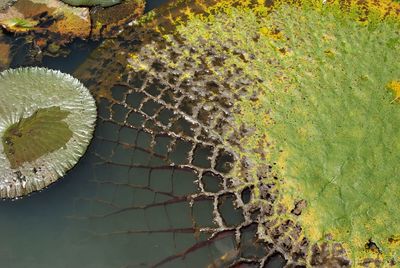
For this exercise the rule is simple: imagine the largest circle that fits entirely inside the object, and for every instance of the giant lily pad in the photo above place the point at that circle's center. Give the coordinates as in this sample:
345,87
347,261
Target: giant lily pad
46,123
316,99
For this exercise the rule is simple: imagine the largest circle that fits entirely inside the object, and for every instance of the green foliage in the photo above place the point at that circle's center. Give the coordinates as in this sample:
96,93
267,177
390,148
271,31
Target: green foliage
30,138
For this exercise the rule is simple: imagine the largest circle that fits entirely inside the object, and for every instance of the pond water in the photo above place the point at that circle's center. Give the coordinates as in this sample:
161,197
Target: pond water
122,205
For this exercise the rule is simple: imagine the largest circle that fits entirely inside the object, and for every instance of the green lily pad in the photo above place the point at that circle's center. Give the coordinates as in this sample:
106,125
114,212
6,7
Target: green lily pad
46,123
319,89
43,132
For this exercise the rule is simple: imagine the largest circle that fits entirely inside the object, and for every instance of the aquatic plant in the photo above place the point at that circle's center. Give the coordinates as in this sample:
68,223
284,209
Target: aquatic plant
67,22
19,24
302,94
315,107
46,123
89,3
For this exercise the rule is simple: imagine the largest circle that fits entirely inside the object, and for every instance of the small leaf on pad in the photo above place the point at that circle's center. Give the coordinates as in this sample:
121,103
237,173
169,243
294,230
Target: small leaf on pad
42,133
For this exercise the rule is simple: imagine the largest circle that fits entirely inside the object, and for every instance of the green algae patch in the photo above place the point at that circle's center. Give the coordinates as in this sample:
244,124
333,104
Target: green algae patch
42,133
317,108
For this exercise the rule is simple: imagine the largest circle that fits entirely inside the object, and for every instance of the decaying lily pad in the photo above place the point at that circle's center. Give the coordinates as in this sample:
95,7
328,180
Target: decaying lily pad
107,22
27,15
90,3
298,93
39,28
315,107
46,123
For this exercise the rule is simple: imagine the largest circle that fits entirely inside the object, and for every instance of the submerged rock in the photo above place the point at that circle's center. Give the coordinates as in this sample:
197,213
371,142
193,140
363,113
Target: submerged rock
46,123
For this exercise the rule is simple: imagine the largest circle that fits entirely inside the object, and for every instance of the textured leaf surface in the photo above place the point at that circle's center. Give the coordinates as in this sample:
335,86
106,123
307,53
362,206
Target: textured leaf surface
321,113
46,122
42,133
